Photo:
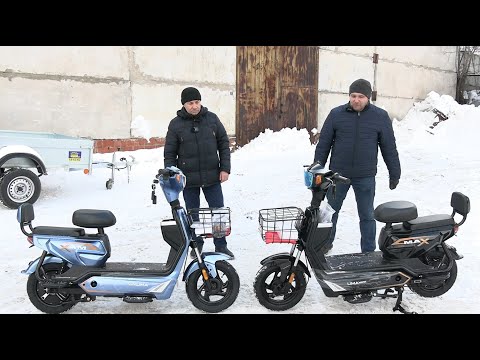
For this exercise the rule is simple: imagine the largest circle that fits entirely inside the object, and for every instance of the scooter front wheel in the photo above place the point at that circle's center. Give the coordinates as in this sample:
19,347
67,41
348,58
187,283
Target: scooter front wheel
274,290
223,291
50,303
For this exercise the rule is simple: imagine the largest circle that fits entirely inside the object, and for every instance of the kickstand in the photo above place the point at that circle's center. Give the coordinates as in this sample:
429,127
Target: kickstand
386,294
399,300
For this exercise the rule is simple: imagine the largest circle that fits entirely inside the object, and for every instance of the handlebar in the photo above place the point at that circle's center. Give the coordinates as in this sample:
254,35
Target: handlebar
162,173
165,173
340,179
172,181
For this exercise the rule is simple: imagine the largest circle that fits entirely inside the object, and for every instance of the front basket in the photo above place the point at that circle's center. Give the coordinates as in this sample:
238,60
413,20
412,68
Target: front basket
211,222
280,225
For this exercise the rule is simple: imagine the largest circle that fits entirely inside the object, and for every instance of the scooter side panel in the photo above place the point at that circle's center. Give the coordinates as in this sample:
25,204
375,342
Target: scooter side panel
84,251
400,243
357,281
120,285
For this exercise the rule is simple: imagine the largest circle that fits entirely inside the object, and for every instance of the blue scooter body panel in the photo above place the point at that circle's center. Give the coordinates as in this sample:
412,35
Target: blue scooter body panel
75,250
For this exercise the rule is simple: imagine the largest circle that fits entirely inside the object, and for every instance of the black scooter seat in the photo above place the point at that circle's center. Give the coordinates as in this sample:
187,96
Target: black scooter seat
58,231
430,221
395,211
88,218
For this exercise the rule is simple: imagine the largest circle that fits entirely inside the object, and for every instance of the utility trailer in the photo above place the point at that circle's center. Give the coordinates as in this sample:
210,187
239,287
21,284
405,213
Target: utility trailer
24,150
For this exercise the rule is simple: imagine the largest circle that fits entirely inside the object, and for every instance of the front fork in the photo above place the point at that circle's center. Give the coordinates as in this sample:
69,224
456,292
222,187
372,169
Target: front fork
288,263
206,263
294,267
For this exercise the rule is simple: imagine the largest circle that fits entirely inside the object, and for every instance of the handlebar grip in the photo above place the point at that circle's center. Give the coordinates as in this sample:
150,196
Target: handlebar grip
166,173
341,179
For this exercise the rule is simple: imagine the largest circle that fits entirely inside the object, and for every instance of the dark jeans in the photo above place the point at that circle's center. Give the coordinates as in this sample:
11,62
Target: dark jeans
214,196
364,189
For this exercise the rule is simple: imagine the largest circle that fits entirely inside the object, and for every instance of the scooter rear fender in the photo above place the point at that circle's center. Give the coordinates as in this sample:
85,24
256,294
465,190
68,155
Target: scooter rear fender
209,258
32,266
284,259
454,253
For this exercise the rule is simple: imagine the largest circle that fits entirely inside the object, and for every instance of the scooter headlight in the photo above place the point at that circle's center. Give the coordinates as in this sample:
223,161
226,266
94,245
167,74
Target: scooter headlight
308,178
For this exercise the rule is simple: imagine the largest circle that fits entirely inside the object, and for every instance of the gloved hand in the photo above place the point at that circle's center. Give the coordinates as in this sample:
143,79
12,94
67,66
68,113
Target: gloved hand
393,184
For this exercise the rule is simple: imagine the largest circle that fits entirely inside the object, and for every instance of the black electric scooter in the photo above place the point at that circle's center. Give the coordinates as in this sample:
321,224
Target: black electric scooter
413,251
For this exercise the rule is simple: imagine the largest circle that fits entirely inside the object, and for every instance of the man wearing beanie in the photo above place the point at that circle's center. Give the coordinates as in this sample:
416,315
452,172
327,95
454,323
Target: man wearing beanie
351,135
197,143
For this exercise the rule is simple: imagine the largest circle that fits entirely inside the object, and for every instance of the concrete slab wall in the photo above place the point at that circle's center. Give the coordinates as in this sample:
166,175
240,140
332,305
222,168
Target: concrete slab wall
96,110
83,61
404,75
97,91
161,73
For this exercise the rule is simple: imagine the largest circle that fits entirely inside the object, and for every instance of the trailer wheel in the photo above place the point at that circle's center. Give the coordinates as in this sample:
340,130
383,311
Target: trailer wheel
19,186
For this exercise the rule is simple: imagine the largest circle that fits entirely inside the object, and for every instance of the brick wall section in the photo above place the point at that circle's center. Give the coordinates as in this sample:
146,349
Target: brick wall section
103,146
110,145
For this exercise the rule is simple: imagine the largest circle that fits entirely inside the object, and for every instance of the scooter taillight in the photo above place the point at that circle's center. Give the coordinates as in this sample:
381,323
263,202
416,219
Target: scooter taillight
455,228
30,239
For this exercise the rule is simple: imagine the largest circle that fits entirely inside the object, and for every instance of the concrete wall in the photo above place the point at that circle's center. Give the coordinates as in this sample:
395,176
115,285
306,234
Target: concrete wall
161,73
404,75
79,91
99,91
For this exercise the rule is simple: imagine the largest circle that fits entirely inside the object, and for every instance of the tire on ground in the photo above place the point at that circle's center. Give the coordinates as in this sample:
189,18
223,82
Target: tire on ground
19,186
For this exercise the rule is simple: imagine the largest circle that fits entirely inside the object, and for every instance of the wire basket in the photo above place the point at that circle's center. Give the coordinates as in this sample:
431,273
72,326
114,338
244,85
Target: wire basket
210,222
280,225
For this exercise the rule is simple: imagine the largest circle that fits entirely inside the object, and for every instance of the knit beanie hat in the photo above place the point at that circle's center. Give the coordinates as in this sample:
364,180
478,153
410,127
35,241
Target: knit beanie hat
189,94
361,86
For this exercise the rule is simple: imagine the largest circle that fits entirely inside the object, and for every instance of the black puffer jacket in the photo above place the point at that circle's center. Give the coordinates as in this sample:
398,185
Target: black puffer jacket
354,138
199,146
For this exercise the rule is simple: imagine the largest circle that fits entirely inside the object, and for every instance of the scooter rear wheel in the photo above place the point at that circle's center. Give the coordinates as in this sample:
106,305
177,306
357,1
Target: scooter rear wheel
270,287
436,289
224,291
54,303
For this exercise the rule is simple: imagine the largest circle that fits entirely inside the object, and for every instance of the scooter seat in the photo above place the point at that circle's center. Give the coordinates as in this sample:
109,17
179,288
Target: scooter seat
58,231
93,218
430,221
395,211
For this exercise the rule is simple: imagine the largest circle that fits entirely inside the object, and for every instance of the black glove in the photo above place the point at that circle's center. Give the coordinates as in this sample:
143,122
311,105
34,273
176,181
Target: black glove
393,184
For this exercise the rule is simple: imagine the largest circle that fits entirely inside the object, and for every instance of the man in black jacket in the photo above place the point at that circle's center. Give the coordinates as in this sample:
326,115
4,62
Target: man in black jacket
353,133
198,144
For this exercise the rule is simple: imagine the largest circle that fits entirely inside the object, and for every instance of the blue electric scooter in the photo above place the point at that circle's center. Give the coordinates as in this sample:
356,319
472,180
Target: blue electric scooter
73,267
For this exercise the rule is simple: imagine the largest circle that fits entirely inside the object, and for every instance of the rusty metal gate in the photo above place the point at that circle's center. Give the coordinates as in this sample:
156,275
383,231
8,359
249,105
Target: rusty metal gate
277,87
